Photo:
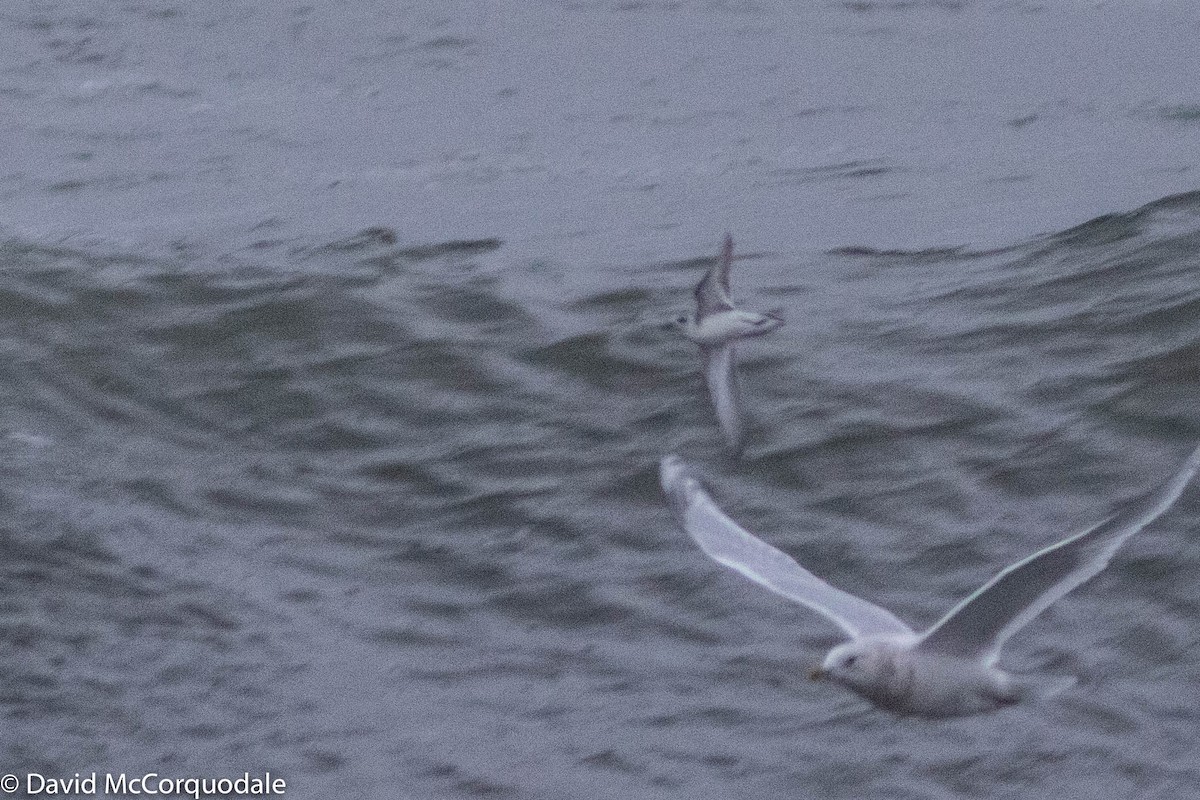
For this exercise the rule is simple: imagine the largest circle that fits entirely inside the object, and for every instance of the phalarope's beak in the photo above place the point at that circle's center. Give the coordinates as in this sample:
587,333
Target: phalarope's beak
816,674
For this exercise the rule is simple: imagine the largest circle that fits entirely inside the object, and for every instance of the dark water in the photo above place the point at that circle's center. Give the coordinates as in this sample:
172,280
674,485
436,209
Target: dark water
335,382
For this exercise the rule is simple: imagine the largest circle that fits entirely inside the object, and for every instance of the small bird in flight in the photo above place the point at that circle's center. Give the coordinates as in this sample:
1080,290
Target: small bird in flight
715,326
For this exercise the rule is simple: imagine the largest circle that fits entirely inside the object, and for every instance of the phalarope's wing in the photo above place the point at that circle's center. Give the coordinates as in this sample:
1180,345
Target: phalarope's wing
712,293
720,373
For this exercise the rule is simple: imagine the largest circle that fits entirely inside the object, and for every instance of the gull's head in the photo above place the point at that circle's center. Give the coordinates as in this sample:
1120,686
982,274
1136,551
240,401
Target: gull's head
859,665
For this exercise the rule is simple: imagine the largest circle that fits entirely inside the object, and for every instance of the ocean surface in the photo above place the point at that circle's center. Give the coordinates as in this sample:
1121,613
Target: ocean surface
335,377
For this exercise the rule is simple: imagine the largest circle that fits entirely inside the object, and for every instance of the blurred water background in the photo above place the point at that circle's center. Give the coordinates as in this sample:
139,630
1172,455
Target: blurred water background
334,383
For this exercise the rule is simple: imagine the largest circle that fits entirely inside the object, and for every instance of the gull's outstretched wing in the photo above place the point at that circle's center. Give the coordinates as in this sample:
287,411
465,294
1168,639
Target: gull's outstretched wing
720,373
712,293
978,626
727,543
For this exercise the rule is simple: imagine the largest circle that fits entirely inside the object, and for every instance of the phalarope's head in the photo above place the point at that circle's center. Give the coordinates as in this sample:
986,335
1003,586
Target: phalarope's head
681,322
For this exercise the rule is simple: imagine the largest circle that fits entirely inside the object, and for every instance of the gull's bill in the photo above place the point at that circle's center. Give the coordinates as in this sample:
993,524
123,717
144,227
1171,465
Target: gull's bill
712,293
727,543
723,388
979,626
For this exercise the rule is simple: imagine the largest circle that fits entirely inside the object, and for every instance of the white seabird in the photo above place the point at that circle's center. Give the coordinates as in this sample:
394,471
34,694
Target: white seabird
715,326
949,670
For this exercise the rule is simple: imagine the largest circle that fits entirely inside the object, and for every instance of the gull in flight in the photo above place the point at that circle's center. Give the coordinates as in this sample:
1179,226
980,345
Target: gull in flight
715,326
949,670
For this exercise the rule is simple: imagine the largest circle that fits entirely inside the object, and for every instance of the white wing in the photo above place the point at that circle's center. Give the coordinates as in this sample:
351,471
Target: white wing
978,626
712,293
727,543
721,376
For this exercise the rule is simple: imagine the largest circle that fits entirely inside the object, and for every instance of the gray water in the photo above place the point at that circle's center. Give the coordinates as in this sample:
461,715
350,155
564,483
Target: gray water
335,381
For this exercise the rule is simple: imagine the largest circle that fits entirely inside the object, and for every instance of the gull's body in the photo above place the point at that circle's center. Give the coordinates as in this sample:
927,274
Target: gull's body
949,670
715,326
896,674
